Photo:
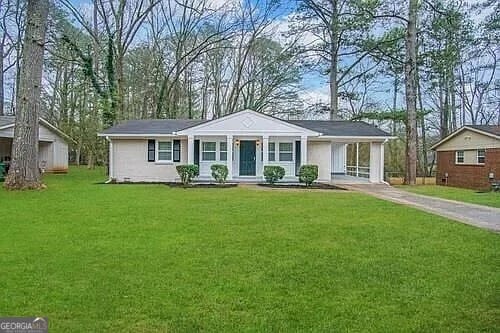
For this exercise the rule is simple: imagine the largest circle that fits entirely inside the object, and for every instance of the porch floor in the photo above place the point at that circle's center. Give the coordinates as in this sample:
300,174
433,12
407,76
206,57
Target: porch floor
346,179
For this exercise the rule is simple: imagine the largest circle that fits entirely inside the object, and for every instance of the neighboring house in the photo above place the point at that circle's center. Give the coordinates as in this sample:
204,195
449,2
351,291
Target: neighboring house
52,146
469,157
149,150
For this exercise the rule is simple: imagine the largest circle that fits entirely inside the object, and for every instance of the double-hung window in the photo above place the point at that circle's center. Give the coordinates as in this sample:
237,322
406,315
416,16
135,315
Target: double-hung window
286,151
481,156
223,151
271,152
164,151
459,157
208,151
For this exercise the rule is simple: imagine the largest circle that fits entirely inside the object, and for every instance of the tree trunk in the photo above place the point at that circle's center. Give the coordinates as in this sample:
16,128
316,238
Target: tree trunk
24,172
334,89
2,42
411,94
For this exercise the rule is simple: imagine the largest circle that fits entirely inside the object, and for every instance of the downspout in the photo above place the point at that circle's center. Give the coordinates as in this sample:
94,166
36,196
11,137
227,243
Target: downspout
110,160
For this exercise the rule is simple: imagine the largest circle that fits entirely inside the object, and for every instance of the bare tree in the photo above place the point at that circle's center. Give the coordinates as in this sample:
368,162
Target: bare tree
24,171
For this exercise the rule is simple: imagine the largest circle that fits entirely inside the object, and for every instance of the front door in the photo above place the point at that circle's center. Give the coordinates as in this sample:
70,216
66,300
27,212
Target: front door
247,158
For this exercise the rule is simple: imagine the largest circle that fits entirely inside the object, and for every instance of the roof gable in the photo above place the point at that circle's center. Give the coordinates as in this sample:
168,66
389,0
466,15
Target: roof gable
250,123
7,122
475,130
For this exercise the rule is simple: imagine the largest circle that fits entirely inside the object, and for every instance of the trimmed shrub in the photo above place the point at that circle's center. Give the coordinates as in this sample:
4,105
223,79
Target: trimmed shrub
308,174
219,172
187,172
273,173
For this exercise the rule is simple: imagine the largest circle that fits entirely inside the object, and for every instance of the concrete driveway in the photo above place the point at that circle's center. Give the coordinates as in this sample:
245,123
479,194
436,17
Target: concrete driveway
476,215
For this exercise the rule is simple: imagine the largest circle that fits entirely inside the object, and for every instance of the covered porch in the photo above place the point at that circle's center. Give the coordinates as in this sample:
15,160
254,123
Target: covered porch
246,156
44,152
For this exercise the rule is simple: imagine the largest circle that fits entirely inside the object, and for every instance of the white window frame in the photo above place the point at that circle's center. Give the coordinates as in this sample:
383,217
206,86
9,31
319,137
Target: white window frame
484,156
222,151
158,151
208,151
291,151
463,156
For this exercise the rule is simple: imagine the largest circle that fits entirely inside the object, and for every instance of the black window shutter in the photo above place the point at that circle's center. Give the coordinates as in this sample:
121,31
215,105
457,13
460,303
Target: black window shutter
297,157
197,152
177,150
151,150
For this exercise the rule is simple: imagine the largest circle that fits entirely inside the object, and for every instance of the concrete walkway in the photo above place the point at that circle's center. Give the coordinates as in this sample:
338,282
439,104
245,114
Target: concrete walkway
476,215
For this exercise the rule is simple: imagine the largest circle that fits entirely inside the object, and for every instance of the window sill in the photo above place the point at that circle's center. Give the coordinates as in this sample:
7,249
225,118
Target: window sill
164,163
470,164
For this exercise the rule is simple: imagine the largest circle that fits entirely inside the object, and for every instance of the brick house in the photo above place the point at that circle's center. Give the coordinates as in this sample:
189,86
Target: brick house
469,157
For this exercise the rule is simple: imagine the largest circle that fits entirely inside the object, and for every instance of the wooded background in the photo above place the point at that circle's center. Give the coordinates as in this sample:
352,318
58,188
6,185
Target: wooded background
111,60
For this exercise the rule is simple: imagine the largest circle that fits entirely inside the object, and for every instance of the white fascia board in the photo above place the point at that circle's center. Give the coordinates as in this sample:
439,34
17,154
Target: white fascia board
145,135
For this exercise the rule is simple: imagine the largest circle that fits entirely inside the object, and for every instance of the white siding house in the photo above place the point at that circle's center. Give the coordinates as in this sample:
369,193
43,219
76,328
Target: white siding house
52,144
246,141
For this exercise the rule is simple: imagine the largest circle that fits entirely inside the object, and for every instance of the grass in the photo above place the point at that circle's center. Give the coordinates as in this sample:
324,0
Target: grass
454,193
148,258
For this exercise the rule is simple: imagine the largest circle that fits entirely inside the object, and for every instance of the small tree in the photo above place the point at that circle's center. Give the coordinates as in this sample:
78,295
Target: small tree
187,172
273,173
219,172
308,174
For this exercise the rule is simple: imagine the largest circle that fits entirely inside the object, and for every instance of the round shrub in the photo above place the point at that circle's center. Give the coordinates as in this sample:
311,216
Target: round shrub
219,172
187,172
273,173
308,174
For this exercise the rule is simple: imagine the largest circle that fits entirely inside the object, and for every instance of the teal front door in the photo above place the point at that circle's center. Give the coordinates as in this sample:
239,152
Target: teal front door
247,158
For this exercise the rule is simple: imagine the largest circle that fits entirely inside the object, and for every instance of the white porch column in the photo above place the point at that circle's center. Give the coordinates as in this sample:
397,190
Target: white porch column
265,151
190,149
376,162
303,150
357,159
229,157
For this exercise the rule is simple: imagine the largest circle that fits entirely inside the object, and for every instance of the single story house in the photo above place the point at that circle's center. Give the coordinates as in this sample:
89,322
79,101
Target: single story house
469,157
245,141
52,144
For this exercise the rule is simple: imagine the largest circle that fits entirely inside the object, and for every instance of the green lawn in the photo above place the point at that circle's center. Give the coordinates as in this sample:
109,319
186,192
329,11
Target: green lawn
146,258
454,193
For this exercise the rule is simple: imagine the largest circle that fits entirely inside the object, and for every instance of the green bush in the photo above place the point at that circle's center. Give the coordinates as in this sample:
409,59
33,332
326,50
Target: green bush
273,173
219,172
187,172
308,174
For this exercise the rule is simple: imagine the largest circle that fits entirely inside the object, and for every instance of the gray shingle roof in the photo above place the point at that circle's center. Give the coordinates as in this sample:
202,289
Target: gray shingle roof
340,127
492,129
155,126
168,126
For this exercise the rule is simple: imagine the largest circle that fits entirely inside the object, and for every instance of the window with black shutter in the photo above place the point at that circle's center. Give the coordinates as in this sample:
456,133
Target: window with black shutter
151,150
177,150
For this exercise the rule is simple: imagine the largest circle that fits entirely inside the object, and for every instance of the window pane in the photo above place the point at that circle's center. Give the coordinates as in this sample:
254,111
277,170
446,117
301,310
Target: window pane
271,151
481,156
286,157
209,146
208,156
223,156
460,156
223,146
286,146
164,145
165,156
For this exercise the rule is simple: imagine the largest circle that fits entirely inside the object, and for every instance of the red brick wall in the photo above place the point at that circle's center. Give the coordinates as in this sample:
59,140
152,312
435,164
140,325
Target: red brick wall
468,175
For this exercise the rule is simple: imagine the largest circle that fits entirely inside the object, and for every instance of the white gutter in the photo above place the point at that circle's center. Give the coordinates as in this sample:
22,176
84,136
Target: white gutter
110,160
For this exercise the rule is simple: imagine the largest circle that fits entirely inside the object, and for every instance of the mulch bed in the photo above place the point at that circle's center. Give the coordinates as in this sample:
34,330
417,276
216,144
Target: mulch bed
203,185
315,186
